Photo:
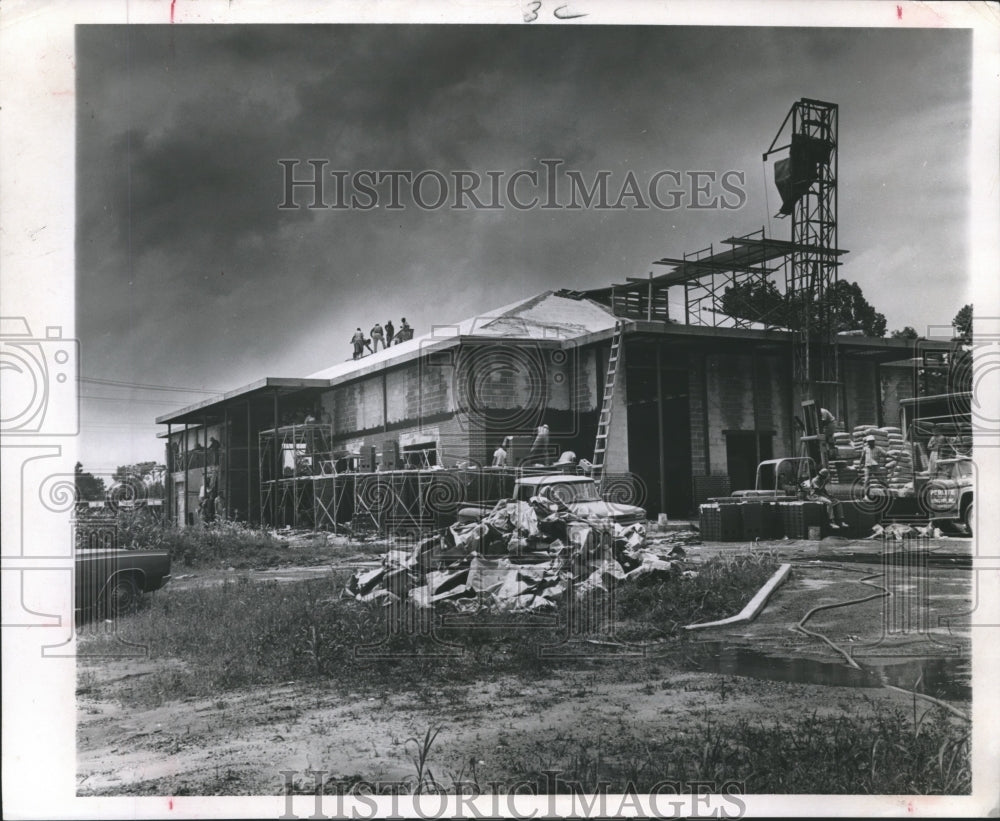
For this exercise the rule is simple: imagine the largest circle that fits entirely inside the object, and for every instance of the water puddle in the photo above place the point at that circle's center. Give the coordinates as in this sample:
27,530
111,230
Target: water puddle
898,557
947,677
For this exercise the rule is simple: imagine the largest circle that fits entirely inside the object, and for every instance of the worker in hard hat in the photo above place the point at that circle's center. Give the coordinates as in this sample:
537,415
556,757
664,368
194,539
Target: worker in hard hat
871,463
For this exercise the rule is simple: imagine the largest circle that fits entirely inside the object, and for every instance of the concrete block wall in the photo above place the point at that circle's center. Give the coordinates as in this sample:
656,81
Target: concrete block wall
862,404
425,398
896,382
731,382
616,458
774,402
700,464
730,407
588,380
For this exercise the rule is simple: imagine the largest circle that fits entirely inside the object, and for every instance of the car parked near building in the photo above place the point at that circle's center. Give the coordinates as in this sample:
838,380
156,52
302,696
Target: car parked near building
113,581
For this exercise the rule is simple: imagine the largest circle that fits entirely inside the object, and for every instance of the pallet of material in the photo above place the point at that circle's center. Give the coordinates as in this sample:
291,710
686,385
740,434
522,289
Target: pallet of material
760,520
798,517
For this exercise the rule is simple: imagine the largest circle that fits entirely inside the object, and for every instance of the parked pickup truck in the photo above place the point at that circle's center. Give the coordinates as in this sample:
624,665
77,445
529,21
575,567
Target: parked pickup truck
576,493
114,581
947,495
944,496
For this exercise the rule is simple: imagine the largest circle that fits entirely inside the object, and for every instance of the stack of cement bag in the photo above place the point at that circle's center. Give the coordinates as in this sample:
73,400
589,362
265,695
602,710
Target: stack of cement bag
522,556
899,464
862,432
844,447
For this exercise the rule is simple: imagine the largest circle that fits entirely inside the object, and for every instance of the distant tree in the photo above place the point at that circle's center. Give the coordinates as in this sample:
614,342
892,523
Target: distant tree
849,310
755,302
126,473
145,479
845,304
963,323
906,332
89,488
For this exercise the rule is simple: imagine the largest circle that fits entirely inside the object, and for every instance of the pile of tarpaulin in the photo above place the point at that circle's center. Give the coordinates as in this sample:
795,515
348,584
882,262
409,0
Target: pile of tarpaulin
522,556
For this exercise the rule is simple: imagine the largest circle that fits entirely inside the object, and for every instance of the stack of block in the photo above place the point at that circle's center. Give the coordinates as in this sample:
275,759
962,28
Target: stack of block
721,522
798,517
760,520
710,522
731,523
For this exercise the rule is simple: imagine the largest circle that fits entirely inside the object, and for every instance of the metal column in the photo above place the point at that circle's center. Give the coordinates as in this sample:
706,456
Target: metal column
277,467
184,461
225,432
249,475
659,425
168,481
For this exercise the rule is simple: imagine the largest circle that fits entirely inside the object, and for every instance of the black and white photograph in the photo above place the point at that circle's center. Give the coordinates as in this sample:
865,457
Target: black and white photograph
557,410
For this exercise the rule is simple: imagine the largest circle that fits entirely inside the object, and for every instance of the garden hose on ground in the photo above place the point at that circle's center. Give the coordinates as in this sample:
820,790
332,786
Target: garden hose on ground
847,656
850,658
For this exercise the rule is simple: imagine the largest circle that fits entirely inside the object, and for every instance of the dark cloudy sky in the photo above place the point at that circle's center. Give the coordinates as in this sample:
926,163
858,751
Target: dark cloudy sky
188,274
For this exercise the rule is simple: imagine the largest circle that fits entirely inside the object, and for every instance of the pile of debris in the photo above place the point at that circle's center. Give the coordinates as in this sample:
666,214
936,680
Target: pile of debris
522,556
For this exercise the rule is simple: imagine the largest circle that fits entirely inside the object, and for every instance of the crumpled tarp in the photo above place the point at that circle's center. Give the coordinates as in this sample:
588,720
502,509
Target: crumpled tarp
522,556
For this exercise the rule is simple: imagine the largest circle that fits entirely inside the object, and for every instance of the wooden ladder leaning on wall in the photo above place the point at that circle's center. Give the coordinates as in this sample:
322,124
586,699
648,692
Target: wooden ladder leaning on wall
604,420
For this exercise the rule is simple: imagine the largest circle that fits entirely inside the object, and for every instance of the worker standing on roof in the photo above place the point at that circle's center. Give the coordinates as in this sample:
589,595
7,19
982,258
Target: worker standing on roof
358,340
405,331
390,331
377,337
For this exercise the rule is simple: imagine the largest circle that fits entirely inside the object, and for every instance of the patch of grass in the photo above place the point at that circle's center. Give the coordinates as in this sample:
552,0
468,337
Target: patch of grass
721,588
225,543
246,633
880,754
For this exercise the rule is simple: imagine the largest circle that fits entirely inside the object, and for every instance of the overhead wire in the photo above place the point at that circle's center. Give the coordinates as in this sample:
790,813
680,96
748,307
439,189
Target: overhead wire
143,386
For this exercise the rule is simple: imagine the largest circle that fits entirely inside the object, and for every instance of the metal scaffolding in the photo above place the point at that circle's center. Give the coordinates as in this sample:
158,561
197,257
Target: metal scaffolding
405,502
289,459
812,270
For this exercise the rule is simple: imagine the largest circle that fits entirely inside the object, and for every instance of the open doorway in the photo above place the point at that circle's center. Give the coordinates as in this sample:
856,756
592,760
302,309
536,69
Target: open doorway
745,449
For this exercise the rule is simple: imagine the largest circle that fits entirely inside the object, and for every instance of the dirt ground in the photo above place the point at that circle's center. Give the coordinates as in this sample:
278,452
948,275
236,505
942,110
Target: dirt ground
239,743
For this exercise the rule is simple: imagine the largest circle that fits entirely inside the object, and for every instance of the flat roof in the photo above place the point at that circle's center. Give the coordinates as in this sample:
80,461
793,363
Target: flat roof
196,412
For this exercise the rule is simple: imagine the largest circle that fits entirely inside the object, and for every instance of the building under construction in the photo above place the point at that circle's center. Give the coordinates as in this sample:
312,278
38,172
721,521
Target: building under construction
674,409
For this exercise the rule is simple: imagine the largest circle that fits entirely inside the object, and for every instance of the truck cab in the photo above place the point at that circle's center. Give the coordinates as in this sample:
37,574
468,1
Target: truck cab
947,494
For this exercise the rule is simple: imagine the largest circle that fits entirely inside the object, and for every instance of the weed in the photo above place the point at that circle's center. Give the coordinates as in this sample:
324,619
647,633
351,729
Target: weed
879,754
418,755
721,588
